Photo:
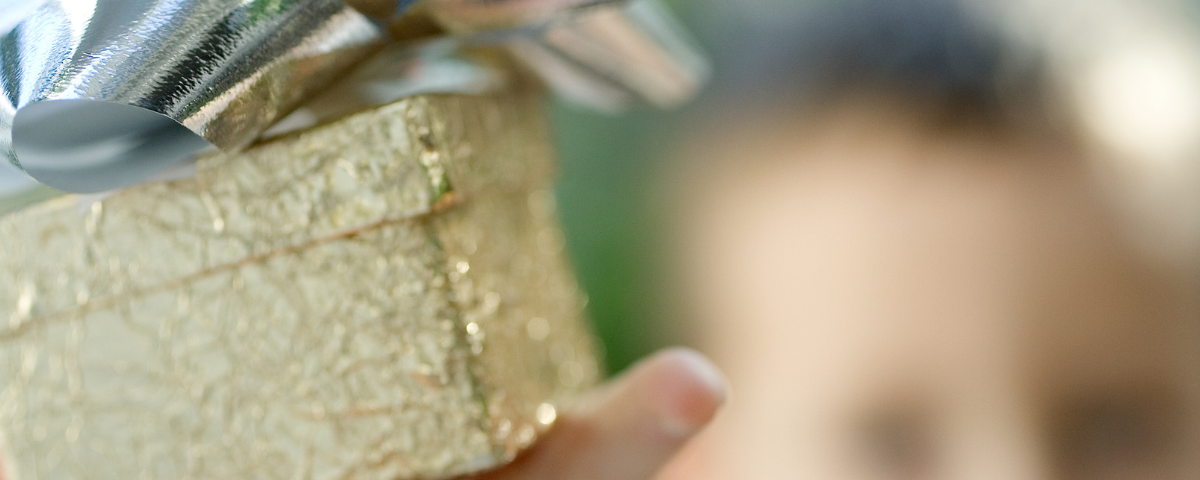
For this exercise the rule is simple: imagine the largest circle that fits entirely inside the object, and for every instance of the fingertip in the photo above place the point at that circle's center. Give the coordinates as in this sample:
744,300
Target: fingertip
634,426
701,369
685,389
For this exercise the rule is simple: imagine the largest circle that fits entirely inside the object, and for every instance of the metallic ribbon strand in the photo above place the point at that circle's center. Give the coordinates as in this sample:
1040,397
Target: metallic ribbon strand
97,95
101,93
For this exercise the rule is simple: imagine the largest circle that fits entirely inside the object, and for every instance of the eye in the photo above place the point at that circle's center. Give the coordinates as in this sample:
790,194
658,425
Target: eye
1117,432
897,444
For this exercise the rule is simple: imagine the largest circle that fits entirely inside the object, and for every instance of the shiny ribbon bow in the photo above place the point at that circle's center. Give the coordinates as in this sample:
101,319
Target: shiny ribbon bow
102,94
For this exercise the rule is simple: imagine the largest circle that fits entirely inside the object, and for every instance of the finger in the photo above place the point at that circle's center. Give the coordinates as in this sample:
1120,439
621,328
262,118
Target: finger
632,428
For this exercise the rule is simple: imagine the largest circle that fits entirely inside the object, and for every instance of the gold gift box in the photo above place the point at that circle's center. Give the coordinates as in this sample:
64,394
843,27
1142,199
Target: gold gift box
381,297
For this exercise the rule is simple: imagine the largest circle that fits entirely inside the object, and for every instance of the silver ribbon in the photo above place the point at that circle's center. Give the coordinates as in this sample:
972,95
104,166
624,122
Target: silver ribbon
614,56
101,94
604,57
604,54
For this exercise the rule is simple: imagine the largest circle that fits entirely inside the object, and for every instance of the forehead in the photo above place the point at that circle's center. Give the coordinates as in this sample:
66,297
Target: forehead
898,259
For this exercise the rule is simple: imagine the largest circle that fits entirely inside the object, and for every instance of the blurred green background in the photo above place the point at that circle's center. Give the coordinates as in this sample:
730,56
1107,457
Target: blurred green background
608,168
607,165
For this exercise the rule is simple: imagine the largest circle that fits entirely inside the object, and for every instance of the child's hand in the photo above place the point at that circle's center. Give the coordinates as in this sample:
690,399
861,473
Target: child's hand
630,428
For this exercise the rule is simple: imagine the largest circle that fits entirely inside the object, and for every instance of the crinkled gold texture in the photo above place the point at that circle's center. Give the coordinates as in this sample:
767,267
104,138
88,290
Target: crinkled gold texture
382,297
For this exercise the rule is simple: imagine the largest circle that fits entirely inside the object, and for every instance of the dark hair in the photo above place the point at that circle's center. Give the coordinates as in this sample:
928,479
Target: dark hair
937,53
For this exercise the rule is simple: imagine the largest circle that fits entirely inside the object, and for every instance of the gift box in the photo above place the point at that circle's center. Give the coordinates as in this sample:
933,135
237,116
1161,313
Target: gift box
365,281
381,297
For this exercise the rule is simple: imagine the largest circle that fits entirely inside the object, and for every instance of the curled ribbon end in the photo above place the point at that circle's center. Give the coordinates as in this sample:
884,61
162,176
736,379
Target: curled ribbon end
89,146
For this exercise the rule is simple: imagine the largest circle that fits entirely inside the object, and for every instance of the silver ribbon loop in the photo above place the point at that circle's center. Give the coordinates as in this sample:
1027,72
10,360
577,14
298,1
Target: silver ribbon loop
616,55
604,54
470,16
98,94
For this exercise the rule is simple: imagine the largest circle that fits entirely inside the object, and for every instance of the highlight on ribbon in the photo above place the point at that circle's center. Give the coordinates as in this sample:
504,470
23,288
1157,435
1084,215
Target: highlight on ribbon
103,94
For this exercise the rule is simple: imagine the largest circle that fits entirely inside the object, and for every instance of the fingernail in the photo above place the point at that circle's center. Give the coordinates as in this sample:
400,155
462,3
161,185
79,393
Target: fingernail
696,399
704,371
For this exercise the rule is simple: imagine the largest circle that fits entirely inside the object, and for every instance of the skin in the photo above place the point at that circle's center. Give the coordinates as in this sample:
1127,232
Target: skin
628,429
895,300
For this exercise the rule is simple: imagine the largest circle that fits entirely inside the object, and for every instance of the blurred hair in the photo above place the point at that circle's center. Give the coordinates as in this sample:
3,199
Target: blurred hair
1117,81
938,54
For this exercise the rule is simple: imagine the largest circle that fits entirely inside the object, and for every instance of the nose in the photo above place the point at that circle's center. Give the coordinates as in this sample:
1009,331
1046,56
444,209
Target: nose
1004,444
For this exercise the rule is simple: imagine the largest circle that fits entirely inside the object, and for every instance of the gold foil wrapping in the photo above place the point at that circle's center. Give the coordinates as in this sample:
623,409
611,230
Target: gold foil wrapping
381,297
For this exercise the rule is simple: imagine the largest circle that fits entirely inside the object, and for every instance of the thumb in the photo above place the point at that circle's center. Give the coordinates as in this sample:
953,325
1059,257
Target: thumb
630,429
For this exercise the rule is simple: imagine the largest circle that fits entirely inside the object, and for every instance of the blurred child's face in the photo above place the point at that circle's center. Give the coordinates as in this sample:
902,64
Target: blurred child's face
893,305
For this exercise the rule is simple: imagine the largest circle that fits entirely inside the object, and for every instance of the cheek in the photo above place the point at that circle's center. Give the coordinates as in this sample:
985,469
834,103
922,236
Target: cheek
773,427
